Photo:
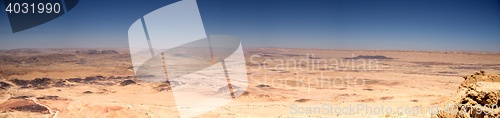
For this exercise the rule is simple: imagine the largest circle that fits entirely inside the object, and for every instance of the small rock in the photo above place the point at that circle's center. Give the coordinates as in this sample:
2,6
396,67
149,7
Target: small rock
302,100
127,82
263,85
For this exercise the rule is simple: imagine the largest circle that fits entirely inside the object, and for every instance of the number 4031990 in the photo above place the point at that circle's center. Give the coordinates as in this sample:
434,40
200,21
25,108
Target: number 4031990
33,8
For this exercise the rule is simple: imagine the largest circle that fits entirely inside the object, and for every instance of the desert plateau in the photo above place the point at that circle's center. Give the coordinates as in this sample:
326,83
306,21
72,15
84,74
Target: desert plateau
282,82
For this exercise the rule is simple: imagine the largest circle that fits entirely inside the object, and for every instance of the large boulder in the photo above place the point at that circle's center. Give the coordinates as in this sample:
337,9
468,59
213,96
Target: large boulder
477,97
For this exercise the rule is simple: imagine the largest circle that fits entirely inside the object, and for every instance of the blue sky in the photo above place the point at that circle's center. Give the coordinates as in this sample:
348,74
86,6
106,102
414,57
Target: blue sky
459,25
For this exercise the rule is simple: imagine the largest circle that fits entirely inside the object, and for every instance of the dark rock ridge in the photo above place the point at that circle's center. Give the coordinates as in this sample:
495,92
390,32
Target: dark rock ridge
20,97
97,52
4,85
32,108
36,83
42,83
39,59
370,57
29,51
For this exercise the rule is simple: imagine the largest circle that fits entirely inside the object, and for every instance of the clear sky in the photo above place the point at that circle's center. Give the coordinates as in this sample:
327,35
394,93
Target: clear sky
459,25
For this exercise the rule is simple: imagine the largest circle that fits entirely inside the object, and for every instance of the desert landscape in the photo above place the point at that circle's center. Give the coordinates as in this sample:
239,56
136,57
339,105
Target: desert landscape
283,82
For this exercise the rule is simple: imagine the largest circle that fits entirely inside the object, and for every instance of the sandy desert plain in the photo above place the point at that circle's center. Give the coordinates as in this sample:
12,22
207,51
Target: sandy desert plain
283,82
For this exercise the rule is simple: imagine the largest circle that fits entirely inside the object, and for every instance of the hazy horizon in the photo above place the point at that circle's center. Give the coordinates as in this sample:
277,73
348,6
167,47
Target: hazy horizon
340,49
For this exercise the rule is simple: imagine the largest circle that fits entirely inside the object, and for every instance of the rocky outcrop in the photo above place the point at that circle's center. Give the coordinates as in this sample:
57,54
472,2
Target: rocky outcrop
36,83
127,82
4,85
477,97
32,108
164,86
